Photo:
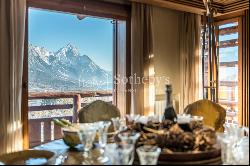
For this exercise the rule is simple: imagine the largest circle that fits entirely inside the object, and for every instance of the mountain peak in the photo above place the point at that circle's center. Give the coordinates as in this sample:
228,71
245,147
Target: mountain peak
68,50
70,46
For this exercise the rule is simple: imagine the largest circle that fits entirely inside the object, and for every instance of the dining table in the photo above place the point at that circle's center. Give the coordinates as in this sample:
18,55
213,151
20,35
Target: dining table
74,156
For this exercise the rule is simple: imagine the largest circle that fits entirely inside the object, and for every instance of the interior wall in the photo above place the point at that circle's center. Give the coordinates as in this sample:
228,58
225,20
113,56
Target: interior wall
166,52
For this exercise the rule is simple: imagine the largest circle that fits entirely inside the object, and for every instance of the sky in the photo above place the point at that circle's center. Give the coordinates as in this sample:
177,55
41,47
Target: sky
92,36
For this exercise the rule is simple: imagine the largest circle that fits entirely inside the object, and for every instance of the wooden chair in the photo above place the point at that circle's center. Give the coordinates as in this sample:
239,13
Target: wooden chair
214,114
98,111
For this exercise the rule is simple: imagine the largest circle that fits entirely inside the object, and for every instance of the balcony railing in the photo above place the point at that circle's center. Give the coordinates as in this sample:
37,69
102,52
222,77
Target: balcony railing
42,130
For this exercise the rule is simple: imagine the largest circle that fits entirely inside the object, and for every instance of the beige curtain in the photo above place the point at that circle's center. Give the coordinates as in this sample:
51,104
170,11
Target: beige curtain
190,58
141,53
244,114
12,30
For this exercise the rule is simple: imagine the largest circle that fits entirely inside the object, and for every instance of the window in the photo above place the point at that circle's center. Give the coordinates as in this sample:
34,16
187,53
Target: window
229,69
71,61
227,45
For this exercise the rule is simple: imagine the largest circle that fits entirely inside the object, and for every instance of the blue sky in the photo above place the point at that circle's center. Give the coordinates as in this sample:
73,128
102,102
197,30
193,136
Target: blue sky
92,36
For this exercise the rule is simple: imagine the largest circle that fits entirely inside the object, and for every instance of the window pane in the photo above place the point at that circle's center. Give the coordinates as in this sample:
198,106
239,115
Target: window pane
67,54
228,54
228,25
228,71
229,37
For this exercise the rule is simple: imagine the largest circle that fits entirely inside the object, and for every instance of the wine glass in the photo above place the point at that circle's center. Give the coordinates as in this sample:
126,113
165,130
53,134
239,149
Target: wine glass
87,134
148,155
103,138
120,155
129,138
132,117
119,124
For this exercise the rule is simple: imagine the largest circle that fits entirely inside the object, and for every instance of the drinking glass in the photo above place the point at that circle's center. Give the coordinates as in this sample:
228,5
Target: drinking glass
183,121
132,117
87,134
241,152
226,148
234,131
119,124
120,155
148,155
241,147
129,137
103,138
233,148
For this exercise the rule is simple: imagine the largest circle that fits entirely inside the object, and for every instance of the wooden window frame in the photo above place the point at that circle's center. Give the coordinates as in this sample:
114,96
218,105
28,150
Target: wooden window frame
235,17
92,8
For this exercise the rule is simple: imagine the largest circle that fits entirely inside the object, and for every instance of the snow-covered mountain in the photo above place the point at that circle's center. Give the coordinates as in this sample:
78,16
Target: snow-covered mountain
65,70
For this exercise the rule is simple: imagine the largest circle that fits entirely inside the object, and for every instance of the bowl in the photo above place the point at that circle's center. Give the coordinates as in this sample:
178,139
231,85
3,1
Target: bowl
70,137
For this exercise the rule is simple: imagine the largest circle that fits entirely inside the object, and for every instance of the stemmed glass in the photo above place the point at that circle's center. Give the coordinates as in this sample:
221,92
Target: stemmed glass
119,124
120,155
103,139
132,117
148,155
87,134
129,138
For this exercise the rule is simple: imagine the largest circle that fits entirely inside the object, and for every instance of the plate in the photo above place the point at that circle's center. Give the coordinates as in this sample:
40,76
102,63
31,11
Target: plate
27,157
190,156
213,161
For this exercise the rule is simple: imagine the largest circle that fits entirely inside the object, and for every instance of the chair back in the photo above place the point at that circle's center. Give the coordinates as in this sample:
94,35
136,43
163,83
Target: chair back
214,115
98,111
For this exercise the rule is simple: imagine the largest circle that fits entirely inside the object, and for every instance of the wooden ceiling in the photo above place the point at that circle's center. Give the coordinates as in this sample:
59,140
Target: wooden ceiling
226,2
222,6
195,6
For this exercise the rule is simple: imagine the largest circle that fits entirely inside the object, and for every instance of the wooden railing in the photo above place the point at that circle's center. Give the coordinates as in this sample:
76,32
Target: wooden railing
43,130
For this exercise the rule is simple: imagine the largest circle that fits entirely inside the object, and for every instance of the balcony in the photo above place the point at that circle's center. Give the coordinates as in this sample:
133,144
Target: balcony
42,129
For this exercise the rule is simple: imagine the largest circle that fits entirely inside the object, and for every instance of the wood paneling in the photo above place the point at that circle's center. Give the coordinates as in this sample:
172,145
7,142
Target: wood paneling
226,2
197,6
173,5
244,74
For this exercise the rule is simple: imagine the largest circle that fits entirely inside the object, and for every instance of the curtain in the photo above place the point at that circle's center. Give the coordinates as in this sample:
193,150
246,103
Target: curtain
244,115
190,58
141,56
12,33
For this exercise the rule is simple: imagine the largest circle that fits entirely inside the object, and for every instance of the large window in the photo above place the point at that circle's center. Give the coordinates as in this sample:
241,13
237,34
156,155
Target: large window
70,61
